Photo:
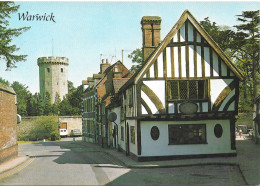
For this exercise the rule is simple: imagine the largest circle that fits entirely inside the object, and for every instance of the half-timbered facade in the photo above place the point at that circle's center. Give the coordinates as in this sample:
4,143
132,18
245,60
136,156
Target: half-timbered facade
184,98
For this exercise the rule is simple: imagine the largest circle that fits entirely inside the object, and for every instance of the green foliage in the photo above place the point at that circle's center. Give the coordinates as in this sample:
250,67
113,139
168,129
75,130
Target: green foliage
22,94
7,52
242,46
39,105
47,106
38,128
222,35
4,81
71,104
247,52
137,58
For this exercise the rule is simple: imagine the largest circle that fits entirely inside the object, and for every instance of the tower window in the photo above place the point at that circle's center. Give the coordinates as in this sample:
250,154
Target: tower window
61,69
48,69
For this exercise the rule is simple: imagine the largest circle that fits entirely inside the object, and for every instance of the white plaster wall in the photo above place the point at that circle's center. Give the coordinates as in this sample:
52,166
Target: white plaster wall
168,59
207,61
116,110
158,87
198,37
152,71
175,37
160,65
223,68
217,86
176,64
190,31
232,93
182,33
122,142
160,147
215,64
199,66
191,60
133,147
183,61
149,103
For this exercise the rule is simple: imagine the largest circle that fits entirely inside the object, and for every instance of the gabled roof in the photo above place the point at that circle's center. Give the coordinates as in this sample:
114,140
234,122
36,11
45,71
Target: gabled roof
159,49
109,69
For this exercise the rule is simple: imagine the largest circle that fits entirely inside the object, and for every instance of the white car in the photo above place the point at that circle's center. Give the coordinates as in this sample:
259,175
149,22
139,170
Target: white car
63,133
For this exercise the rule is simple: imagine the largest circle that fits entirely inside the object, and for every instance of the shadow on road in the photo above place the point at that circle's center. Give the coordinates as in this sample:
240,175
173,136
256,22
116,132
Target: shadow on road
75,152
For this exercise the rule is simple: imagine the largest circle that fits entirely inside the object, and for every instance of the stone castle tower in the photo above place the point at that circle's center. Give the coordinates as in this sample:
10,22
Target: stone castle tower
53,78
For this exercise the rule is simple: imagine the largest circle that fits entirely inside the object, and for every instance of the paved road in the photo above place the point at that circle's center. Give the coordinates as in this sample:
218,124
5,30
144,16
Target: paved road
70,163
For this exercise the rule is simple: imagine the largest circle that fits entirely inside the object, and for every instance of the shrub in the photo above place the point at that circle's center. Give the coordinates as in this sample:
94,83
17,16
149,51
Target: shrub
37,128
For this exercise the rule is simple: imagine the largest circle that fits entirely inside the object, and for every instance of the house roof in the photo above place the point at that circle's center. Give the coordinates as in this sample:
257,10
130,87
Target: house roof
109,69
162,45
118,83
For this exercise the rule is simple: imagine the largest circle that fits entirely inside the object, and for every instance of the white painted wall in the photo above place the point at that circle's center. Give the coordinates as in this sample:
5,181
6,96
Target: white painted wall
160,65
168,61
232,93
191,60
117,110
182,33
190,31
183,61
217,86
199,65
158,87
207,61
160,147
133,147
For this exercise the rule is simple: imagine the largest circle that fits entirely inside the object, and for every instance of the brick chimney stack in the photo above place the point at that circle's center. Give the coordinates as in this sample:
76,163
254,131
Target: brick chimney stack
151,28
104,66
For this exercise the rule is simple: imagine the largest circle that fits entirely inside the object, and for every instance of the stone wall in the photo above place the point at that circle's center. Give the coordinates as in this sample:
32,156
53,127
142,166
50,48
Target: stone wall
73,122
8,123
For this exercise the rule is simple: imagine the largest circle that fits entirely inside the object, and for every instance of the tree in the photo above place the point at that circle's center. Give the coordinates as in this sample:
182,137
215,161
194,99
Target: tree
137,57
7,49
4,81
47,106
247,49
55,106
22,94
39,104
30,105
222,35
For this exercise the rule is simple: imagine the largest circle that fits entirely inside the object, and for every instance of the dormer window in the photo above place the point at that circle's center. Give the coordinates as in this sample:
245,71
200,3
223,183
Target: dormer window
187,89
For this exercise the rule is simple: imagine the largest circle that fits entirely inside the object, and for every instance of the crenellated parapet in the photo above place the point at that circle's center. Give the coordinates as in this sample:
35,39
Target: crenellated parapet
53,60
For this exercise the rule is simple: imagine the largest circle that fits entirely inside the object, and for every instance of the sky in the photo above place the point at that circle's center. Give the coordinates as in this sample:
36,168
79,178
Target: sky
86,32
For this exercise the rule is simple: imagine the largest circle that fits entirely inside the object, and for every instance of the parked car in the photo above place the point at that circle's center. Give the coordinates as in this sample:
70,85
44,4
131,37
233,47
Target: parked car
63,133
243,128
250,132
75,132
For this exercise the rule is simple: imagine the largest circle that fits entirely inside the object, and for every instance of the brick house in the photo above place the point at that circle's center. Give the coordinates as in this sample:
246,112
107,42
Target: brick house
8,123
101,89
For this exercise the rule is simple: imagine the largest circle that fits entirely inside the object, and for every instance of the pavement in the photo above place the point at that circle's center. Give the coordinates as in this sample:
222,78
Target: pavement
247,160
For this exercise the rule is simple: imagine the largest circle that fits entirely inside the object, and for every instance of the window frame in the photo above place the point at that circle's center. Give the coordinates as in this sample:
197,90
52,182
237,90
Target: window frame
185,136
132,134
122,133
188,85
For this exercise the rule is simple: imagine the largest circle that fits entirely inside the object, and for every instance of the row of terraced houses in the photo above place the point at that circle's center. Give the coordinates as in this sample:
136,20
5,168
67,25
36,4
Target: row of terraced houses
182,102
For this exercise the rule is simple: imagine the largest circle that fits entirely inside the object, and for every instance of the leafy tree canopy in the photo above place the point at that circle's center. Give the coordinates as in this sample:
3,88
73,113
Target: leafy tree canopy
7,49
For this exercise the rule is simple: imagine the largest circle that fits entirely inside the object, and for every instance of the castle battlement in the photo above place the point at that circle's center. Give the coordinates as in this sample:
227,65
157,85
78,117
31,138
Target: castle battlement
53,60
